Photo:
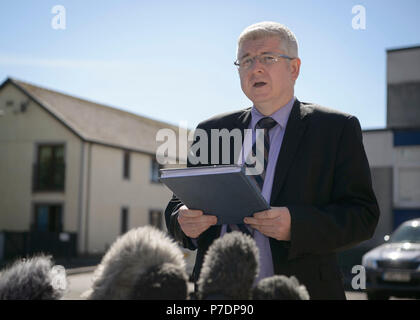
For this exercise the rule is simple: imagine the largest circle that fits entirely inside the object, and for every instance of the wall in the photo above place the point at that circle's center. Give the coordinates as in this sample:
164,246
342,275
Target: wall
19,134
109,192
395,176
403,91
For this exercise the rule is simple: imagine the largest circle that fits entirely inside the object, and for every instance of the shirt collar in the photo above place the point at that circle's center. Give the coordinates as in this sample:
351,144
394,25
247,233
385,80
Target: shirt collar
280,116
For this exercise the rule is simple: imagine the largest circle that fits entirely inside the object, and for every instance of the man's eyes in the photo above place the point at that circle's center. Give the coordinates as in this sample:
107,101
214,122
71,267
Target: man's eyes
247,62
268,59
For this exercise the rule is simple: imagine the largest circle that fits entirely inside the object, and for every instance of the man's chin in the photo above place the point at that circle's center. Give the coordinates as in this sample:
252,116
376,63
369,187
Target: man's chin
260,94
260,99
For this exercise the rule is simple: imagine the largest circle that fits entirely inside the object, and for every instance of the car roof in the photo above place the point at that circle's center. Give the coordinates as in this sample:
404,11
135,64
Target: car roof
411,221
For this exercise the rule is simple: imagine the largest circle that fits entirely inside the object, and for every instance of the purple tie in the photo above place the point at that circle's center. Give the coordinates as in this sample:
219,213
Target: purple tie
265,123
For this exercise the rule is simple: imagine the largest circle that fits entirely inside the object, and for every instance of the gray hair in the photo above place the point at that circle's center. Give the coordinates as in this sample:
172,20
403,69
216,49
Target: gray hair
267,29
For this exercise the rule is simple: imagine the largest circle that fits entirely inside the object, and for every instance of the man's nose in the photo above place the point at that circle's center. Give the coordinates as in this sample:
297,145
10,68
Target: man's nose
257,66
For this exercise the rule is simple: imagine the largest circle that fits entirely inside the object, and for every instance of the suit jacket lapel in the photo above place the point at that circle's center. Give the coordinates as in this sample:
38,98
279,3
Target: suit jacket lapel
242,122
292,137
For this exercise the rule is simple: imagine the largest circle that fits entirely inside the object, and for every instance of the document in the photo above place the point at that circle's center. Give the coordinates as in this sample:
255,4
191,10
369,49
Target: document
224,191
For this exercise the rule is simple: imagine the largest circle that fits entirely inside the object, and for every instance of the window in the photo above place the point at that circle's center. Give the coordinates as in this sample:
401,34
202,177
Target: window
155,218
49,170
154,175
124,220
126,165
48,218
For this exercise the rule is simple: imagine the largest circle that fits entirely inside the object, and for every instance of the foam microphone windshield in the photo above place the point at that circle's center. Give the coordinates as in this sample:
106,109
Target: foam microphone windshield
229,269
144,263
33,279
162,282
280,287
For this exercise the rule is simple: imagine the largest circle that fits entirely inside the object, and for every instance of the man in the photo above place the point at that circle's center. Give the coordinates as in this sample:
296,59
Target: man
317,179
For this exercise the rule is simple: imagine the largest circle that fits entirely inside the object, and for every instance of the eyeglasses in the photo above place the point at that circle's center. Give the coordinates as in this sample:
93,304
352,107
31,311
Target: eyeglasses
265,59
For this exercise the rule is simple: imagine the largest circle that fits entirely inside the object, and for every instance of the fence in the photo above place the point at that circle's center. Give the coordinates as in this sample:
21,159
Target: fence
21,244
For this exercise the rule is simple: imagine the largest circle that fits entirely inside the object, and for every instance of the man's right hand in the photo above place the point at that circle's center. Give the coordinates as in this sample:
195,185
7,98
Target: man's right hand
194,222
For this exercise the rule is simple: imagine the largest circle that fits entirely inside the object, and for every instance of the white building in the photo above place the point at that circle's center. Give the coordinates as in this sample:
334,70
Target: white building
81,172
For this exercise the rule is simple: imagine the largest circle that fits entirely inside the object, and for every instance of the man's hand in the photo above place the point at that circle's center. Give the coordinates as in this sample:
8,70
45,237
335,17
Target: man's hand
194,222
274,223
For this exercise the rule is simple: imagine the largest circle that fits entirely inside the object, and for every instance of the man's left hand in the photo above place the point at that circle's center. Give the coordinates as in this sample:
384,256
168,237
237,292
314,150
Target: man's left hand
274,223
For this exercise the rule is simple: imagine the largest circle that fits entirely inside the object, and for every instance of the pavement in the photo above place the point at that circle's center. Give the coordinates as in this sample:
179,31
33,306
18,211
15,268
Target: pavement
79,262
79,270
80,273
80,280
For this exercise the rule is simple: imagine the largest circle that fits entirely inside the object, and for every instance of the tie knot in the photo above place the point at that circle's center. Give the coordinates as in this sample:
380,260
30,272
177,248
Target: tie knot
266,123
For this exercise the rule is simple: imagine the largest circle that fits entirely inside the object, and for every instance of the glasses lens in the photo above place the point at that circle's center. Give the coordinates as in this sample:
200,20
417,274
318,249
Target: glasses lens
246,63
267,59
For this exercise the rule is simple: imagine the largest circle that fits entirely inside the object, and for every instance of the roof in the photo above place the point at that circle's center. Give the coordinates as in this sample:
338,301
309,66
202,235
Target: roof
404,48
94,122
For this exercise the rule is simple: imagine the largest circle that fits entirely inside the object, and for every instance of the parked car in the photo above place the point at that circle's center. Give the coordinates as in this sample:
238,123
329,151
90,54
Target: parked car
393,269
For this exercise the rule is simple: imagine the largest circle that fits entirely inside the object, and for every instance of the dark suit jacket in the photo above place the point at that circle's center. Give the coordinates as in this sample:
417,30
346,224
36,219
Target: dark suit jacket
323,177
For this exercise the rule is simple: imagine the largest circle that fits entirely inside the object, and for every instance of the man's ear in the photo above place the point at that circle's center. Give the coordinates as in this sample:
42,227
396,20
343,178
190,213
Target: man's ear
295,68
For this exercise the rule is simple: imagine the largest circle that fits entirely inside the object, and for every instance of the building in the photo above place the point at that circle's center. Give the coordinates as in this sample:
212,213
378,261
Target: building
394,152
74,174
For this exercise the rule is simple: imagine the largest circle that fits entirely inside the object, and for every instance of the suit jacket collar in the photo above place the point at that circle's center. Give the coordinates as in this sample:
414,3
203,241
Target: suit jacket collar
298,111
242,122
295,129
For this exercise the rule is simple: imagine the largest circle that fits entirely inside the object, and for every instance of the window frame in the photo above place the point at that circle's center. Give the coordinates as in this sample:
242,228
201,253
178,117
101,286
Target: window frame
124,219
155,178
37,185
34,223
160,219
126,164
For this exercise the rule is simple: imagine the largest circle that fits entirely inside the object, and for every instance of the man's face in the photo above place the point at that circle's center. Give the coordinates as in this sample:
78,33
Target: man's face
269,87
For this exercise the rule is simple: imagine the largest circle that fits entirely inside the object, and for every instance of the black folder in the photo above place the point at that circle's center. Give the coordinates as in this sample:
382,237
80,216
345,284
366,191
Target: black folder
224,191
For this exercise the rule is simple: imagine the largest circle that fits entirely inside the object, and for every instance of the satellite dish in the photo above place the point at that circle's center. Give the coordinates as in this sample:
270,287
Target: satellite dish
24,106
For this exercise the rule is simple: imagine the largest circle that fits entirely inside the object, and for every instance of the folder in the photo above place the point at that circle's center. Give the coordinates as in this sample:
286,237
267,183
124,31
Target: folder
224,191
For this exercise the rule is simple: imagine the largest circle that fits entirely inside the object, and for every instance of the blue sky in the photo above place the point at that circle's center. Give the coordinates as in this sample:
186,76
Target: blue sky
173,60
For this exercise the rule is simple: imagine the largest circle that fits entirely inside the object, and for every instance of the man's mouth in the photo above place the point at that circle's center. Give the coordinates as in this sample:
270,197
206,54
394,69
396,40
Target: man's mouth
259,84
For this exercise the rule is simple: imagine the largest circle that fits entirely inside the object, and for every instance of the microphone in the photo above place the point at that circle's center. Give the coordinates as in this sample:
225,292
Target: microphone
162,282
229,269
33,279
280,287
143,263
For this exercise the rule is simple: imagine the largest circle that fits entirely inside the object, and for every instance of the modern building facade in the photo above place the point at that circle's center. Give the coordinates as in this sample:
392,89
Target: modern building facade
394,152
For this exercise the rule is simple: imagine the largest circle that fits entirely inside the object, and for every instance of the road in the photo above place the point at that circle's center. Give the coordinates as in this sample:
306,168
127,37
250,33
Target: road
79,283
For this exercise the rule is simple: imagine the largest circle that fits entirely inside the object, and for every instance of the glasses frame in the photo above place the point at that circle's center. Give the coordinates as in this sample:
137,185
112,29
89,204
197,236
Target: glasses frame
278,56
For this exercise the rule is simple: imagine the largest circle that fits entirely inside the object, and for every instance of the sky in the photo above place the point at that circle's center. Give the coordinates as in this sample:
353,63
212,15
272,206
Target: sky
173,60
